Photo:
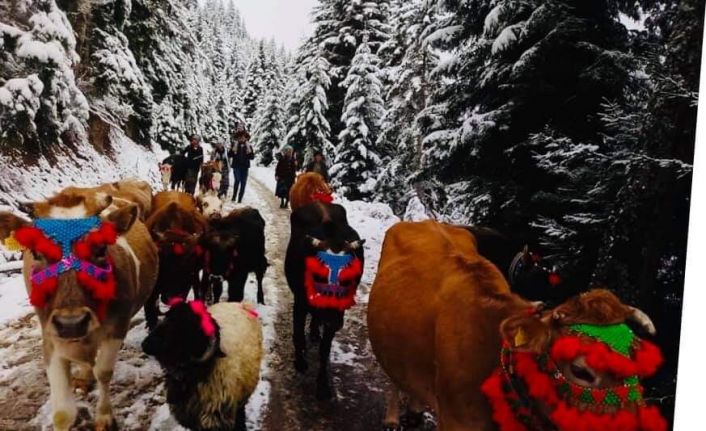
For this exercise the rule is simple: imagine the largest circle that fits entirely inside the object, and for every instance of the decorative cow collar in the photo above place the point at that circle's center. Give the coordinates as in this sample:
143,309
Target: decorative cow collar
331,280
322,197
66,244
525,381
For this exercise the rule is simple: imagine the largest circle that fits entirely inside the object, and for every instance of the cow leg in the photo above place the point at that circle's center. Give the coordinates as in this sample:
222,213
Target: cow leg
314,330
414,416
217,291
300,311
260,274
241,420
392,408
61,395
236,286
151,310
103,371
332,324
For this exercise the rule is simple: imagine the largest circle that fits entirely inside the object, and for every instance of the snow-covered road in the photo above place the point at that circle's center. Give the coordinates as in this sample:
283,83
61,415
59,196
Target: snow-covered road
284,400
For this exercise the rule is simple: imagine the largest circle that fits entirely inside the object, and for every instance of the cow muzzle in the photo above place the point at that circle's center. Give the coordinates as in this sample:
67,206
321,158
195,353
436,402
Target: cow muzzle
74,324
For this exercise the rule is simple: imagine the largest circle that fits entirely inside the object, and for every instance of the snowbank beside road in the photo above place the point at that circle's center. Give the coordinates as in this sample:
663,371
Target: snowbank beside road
85,168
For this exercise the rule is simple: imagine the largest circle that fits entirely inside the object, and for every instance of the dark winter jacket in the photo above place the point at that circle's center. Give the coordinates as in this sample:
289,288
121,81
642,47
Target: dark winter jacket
194,157
319,168
240,155
286,170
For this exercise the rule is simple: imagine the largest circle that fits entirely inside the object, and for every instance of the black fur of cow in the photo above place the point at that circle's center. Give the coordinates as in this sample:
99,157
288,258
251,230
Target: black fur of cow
178,171
234,247
326,222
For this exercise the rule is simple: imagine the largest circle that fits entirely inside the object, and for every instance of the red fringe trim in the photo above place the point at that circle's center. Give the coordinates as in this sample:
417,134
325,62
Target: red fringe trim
503,415
325,198
34,239
40,293
316,300
600,357
565,417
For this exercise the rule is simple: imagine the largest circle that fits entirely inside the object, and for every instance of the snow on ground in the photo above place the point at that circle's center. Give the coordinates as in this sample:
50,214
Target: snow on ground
13,300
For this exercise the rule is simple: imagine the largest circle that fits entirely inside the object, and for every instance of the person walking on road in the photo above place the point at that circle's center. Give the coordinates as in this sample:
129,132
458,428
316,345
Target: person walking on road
285,174
194,159
318,165
241,153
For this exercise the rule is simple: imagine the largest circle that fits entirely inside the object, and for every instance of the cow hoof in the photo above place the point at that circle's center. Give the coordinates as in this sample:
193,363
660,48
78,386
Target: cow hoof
261,301
300,365
323,391
391,427
63,420
411,420
83,386
106,423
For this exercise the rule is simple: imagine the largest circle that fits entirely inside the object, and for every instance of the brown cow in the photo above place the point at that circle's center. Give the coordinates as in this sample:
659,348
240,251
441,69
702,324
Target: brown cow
176,225
309,188
84,310
438,316
124,193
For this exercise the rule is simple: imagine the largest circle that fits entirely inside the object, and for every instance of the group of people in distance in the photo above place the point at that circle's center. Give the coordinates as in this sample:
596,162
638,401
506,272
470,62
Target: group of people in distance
238,158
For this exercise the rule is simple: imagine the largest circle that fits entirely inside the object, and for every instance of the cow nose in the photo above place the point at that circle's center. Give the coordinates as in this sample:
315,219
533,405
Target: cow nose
75,326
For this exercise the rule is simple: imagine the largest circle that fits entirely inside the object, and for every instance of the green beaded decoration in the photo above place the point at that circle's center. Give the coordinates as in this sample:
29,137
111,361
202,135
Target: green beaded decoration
619,337
611,399
634,395
586,396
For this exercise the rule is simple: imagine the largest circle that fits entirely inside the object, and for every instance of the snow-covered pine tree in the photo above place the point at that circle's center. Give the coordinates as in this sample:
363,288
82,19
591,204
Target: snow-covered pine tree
308,129
40,103
269,128
409,62
255,82
339,29
357,162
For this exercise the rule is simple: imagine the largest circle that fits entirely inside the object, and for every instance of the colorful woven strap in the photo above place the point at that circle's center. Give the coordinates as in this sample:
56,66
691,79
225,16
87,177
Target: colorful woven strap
71,263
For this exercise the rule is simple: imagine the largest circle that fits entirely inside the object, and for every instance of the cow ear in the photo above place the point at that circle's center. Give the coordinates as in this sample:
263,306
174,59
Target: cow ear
526,332
124,218
8,223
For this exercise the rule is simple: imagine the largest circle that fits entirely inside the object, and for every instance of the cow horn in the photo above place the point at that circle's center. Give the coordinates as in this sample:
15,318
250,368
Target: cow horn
355,245
643,320
316,243
27,208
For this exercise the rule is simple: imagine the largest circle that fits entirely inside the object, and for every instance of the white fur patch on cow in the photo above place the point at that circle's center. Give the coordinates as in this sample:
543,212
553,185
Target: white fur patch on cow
122,243
78,211
211,205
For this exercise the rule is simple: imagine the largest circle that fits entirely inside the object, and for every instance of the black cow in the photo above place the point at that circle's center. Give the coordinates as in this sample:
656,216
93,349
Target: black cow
323,267
178,163
234,246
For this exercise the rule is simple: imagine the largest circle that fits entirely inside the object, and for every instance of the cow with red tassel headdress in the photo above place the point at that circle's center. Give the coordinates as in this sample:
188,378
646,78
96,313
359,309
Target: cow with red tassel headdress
89,266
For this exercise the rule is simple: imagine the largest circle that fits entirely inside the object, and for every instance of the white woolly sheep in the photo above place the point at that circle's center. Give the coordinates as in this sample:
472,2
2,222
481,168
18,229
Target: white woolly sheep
211,360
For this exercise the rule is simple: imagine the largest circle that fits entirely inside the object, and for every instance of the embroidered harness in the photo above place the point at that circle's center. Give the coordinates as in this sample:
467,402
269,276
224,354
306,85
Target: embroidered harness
526,380
66,244
331,280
